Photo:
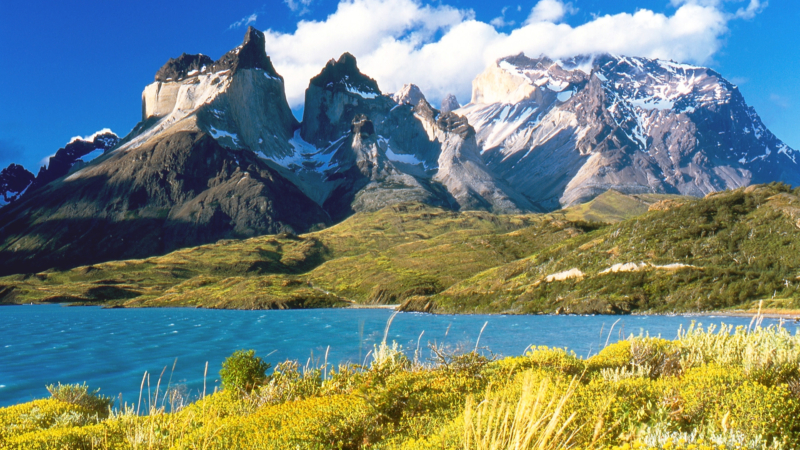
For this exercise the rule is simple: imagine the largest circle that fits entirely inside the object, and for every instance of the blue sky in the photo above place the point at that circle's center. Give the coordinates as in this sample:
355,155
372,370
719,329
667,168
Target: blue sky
72,68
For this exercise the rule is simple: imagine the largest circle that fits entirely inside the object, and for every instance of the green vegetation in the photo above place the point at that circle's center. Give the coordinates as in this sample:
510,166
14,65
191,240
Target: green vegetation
708,390
727,250
79,395
615,254
612,206
243,371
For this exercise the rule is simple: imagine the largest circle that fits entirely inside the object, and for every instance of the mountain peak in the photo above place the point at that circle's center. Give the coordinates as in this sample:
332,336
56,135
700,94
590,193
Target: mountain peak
343,75
409,94
450,103
252,54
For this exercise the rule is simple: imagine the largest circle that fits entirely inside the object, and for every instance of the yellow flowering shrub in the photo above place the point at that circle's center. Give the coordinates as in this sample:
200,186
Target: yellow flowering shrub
38,415
698,397
771,412
69,438
613,356
334,422
641,393
557,359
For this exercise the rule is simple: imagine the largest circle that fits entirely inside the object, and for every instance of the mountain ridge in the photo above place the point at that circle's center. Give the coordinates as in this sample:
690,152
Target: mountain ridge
538,135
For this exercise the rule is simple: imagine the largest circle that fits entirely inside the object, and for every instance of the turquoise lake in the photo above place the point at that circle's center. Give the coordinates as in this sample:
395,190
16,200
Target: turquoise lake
112,348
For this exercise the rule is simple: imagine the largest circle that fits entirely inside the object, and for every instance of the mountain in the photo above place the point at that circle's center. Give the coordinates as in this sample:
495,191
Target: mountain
186,175
562,132
15,180
218,153
360,150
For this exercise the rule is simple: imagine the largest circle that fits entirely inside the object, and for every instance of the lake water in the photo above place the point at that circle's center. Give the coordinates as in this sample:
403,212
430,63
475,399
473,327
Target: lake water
112,348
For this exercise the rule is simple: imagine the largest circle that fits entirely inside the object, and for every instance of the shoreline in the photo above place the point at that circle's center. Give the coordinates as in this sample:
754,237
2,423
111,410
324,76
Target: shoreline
793,314
359,306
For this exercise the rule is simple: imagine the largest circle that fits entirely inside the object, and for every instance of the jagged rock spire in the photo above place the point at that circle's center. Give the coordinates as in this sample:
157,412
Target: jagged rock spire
450,103
250,55
409,94
343,75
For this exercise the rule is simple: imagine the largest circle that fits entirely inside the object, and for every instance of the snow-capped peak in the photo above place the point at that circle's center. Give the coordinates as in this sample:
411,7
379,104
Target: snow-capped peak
409,94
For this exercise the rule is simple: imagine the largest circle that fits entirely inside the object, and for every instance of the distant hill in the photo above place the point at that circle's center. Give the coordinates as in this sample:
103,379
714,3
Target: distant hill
680,254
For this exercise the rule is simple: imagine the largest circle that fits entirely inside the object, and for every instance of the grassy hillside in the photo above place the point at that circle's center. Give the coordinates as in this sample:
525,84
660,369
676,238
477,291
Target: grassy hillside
674,254
725,250
708,390
287,271
612,206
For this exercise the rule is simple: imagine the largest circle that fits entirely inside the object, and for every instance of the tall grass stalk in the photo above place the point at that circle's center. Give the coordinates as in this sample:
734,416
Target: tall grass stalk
535,422
479,336
754,349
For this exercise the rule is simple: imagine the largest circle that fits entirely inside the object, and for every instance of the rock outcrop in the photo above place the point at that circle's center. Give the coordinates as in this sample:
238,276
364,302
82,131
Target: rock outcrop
449,104
562,132
239,99
363,150
189,173
14,181
71,156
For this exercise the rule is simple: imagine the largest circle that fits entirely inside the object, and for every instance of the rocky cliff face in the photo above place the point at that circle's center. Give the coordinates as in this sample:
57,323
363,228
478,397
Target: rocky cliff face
360,150
189,173
565,131
238,99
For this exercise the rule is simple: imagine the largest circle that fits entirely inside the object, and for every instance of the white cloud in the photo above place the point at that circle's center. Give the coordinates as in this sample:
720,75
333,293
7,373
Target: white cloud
247,20
299,5
441,48
550,11
500,21
748,12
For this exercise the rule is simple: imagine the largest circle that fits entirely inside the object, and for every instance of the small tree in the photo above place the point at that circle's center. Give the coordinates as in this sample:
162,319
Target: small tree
243,371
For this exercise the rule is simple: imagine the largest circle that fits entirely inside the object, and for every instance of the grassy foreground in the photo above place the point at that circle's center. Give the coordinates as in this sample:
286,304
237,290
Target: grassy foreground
709,389
614,255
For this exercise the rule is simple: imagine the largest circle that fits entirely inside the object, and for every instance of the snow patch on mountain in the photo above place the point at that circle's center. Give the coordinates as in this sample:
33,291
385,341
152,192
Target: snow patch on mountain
659,126
307,157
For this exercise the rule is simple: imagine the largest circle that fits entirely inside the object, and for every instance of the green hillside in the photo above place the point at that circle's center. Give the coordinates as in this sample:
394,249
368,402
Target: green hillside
723,251
727,250
612,206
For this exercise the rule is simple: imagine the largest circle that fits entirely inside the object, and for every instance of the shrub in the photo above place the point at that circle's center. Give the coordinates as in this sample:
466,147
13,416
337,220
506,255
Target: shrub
388,359
289,383
772,412
243,371
614,356
556,359
79,395
770,355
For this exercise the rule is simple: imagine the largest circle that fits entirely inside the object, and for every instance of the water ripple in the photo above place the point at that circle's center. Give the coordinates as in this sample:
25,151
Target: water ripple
112,348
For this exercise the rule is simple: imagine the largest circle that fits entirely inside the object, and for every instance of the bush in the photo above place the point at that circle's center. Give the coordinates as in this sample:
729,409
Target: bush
557,359
614,356
243,371
289,383
79,395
